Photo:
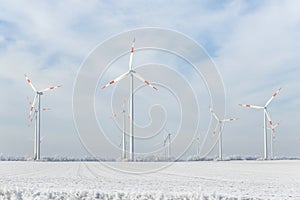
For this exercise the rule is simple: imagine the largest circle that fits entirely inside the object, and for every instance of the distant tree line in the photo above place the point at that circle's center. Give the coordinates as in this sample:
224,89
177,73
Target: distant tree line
152,158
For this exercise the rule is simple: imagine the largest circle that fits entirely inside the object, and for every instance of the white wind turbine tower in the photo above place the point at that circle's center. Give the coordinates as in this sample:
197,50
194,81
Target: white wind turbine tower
124,131
265,112
168,138
220,126
198,146
132,74
37,115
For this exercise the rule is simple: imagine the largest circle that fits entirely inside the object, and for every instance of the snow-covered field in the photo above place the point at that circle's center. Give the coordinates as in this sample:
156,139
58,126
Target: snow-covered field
182,180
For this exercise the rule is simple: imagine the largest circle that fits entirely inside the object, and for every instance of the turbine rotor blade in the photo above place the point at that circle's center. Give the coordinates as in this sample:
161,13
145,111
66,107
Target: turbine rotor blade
30,103
50,88
143,80
33,104
131,54
31,118
214,114
44,109
251,106
29,82
229,119
217,129
272,97
113,116
115,80
275,126
269,118
124,104
273,130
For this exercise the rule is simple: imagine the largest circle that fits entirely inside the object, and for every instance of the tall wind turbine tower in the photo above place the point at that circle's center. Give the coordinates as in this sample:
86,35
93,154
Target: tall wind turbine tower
265,113
37,112
131,73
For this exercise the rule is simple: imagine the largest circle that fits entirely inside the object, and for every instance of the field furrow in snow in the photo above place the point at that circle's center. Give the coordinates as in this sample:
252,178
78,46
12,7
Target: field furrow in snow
181,180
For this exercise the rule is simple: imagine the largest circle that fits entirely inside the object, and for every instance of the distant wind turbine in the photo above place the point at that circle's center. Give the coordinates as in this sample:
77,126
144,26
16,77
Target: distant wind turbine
219,130
36,114
124,131
132,74
123,144
273,127
272,135
265,112
198,146
168,139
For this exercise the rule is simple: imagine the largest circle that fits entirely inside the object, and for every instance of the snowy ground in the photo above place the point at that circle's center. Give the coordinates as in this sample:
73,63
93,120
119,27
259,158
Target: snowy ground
185,180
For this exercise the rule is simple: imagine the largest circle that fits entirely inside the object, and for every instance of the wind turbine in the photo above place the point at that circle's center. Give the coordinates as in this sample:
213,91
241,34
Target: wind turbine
272,135
131,73
220,126
124,130
168,138
37,115
198,146
273,127
264,108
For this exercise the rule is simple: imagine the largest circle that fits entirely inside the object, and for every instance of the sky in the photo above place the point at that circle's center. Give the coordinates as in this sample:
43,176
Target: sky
253,44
